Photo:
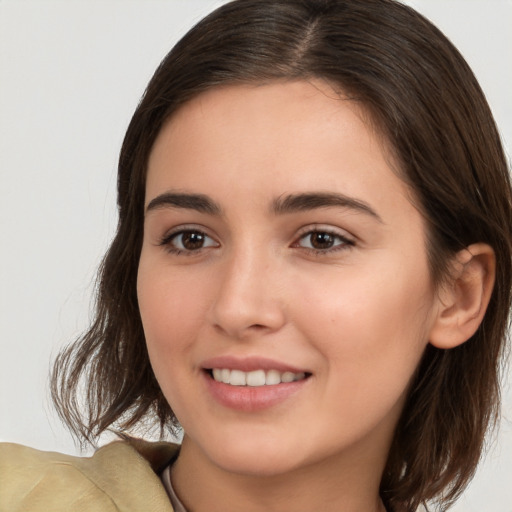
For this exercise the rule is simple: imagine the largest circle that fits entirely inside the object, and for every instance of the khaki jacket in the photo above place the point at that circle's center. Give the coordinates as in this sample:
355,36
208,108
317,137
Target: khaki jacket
119,477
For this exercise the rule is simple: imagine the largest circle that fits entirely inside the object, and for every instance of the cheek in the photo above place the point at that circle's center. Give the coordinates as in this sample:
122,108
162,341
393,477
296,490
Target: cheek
172,311
371,326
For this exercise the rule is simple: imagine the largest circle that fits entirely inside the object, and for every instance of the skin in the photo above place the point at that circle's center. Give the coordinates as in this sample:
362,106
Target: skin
356,316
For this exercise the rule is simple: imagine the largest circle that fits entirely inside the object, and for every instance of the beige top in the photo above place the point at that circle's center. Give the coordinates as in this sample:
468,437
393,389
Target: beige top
122,476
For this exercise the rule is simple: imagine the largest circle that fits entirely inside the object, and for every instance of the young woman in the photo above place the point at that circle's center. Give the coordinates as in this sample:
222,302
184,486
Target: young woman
311,276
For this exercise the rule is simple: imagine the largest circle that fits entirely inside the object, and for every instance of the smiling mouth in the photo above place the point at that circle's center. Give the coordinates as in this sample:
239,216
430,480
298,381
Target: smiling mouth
255,378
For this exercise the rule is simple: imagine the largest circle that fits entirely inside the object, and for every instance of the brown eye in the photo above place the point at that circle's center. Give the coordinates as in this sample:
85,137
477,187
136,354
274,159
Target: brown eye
323,241
190,240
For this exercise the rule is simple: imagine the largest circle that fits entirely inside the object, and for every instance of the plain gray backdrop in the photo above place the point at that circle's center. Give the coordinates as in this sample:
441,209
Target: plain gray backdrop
71,74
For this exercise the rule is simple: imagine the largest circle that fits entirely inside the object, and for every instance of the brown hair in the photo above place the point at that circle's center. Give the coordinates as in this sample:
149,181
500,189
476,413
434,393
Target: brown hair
423,97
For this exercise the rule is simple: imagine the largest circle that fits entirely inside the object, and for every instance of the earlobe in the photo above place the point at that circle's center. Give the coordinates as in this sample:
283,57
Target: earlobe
462,302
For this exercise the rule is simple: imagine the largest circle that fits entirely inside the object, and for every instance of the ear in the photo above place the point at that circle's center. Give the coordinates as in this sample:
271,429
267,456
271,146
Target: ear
462,302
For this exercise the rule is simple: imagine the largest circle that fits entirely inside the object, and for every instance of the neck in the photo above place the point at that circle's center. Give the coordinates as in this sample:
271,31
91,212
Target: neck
349,483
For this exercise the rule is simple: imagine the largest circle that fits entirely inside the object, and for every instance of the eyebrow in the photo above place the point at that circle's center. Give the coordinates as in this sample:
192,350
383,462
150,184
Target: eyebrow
290,203
310,201
198,202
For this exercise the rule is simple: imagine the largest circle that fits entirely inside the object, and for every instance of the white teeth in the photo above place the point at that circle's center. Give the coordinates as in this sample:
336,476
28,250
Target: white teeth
226,375
287,377
255,378
272,377
238,378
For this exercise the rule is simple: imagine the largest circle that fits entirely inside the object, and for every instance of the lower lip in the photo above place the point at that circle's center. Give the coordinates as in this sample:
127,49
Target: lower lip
252,398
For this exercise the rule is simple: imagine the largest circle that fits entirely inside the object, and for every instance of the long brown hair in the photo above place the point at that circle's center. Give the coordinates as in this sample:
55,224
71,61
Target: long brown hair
422,96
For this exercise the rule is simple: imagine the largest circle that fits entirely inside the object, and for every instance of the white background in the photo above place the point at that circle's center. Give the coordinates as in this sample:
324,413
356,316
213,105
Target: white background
71,74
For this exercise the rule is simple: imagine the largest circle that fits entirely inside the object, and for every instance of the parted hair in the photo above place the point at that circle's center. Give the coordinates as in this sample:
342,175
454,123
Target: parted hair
421,95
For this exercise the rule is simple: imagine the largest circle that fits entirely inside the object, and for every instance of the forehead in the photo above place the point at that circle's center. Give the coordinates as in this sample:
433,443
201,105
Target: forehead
293,99
282,133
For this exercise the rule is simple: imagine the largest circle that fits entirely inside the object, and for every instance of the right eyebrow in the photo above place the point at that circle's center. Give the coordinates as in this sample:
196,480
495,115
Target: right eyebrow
314,200
198,202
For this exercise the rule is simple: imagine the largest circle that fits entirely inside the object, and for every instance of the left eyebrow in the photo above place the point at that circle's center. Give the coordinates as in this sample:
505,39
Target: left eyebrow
311,201
198,202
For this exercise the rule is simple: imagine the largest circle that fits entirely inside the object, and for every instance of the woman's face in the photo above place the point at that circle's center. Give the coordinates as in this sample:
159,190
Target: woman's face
280,246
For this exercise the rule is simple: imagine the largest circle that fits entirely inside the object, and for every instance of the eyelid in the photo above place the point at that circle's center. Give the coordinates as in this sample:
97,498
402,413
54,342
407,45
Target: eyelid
177,235
169,235
347,240
326,228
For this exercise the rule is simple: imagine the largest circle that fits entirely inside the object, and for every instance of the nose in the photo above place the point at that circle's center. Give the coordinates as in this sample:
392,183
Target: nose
249,295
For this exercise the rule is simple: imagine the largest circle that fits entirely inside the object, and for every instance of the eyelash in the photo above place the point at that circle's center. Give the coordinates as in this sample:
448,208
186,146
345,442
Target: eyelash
344,242
167,240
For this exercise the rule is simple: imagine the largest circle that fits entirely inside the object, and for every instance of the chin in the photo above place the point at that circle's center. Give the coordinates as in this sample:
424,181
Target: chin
257,464
262,457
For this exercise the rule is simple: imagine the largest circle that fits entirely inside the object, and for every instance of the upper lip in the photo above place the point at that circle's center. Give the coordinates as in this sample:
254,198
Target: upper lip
249,364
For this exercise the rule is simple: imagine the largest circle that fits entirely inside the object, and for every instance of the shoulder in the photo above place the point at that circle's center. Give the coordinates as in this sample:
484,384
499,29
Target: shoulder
121,476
